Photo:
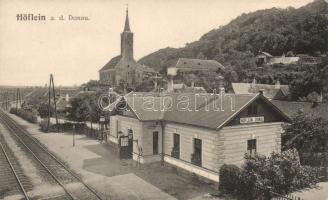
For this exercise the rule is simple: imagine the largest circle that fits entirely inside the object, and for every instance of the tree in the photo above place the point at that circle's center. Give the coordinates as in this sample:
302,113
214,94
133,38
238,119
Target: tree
306,133
42,109
313,79
80,108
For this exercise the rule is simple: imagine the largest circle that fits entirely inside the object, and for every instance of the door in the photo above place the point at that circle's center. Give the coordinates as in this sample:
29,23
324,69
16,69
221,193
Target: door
155,142
126,145
197,156
176,146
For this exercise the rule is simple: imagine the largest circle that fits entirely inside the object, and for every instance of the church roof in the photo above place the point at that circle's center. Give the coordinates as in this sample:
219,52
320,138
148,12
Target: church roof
127,24
111,64
198,64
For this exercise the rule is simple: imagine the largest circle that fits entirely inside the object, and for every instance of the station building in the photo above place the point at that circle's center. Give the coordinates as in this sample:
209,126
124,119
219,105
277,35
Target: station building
196,132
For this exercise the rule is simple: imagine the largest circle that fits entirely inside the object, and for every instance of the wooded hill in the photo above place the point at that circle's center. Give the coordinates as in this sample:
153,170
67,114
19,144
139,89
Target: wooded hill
235,45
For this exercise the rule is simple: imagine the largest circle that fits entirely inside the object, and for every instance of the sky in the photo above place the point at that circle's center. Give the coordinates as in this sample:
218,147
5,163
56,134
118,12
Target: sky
74,51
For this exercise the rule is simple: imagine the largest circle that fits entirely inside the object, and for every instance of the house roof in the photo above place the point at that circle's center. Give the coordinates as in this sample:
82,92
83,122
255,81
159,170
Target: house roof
265,54
269,91
70,91
61,104
198,64
145,68
111,64
179,85
202,110
206,115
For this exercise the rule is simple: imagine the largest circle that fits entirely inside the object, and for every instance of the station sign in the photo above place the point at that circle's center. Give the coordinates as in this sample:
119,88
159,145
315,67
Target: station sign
248,120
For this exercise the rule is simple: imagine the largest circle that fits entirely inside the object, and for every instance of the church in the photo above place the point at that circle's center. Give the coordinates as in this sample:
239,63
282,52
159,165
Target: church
123,70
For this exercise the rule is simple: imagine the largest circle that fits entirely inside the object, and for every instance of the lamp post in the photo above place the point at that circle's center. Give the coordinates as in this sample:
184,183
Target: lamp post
73,135
67,114
102,121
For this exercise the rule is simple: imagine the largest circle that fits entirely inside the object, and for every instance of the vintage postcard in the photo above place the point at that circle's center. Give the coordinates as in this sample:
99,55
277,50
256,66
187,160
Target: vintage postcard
164,99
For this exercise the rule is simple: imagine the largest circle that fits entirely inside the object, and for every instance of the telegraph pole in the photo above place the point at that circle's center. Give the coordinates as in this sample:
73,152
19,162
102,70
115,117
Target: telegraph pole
7,100
52,89
18,99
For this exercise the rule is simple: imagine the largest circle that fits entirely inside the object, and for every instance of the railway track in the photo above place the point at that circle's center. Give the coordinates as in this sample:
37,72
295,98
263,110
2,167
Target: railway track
73,185
12,181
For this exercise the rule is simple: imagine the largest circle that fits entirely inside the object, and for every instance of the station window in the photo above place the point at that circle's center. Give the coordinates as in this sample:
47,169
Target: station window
251,147
176,146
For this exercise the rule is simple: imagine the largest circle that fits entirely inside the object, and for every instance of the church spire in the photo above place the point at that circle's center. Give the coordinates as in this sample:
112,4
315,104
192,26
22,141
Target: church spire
127,24
127,39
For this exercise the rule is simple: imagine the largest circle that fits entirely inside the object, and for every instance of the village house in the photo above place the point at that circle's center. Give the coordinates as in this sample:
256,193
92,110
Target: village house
276,91
184,65
195,132
188,66
264,58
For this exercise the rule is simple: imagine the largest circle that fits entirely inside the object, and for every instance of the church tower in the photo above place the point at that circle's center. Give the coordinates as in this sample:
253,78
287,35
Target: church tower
127,40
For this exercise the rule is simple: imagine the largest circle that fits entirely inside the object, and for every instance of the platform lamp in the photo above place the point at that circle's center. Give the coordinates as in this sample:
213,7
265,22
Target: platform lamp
67,107
102,122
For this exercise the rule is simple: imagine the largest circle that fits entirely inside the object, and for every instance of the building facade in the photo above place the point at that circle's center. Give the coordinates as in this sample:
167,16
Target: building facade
203,134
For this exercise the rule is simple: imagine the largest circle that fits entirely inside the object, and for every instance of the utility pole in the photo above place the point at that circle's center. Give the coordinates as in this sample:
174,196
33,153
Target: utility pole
18,99
52,89
7,100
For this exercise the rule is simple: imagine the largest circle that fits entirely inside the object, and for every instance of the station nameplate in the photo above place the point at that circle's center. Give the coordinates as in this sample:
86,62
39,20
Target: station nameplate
248,120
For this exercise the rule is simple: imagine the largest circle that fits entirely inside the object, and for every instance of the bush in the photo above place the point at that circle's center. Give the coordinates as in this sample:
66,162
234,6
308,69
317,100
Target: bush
280,173
229,179
25,114
12,111
68,126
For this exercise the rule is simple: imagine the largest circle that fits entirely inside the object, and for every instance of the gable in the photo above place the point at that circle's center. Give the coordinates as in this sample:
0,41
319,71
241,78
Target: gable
111,64
258,111
122,108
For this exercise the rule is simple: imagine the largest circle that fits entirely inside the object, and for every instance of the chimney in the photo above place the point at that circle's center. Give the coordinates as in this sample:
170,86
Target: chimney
320,98
253,83
214,91
192,84
261,91
161,92
155,84
221,84
222,90
277,84
67,98
170,85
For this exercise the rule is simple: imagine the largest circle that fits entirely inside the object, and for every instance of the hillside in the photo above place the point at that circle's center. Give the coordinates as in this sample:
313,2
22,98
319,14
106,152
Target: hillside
277,31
